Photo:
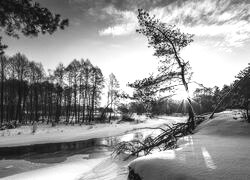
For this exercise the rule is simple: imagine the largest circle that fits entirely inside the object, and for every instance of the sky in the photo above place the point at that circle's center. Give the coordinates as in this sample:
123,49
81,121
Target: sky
104,32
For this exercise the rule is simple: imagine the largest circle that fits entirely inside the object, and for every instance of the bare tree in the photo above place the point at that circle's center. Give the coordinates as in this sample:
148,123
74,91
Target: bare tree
59,77
21,70
87,68
113,89
97,86
37,75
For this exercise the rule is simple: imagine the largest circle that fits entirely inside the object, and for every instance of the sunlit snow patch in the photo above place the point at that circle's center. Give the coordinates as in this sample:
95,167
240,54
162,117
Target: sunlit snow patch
208,159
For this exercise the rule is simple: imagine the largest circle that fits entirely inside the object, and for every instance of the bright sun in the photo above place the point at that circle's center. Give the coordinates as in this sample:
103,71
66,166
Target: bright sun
181,95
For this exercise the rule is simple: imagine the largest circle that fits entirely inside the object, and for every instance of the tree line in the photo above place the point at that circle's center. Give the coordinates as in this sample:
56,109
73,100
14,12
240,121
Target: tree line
204,99
69,93
235,95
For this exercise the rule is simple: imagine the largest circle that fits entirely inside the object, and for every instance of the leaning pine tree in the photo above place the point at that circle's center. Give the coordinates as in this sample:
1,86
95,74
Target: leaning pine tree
167,41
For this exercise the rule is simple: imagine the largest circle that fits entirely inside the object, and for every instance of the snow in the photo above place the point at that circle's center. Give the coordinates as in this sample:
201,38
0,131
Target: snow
220,149
109,169
77,166
69,170
8,167
62,133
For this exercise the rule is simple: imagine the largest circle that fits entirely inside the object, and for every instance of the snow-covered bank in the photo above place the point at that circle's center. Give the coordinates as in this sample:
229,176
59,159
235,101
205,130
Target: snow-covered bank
61,133
72,169
219,150
78,168
99,168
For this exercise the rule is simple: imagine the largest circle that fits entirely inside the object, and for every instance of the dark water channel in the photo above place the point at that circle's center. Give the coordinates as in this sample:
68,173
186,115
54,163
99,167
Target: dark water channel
15,160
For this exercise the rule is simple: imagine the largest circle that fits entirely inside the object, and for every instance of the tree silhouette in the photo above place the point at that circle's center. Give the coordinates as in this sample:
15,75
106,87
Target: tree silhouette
59,76
243,90
30,95
20,65
97,84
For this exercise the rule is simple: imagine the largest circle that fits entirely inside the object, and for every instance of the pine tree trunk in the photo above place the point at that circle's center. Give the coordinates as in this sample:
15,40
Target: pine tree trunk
2,91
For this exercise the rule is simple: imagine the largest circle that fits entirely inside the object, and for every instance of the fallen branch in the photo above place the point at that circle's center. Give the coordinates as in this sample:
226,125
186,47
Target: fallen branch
167,139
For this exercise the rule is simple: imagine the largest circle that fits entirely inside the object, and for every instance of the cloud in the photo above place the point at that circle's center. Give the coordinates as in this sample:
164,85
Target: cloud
122,5
226,20
116,17
125,22
118,30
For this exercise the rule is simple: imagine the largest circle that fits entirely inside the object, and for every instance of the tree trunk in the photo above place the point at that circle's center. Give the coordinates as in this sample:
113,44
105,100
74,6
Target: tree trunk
24,106
93,104
57,110
247,113
111,106
19,108
31,105
191,114
2,90
36,104
185,84
75,102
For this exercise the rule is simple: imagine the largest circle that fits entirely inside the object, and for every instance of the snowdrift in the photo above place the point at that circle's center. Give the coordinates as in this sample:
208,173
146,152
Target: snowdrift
220,149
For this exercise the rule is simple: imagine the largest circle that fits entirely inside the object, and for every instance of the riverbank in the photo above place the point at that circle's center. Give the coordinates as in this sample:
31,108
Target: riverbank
91,163
46,134
218,150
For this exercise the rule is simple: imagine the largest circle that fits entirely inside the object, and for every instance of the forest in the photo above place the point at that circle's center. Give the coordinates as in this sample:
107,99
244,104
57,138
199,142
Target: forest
29,95
204,99
72,94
